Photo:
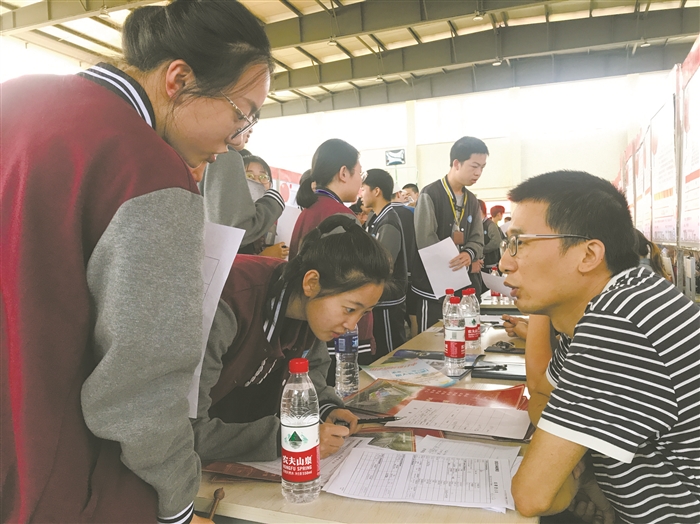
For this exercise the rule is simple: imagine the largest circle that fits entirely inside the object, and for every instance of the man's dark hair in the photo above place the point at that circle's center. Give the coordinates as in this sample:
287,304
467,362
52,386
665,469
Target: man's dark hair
356,207
381,179
579,203
465,147
412,187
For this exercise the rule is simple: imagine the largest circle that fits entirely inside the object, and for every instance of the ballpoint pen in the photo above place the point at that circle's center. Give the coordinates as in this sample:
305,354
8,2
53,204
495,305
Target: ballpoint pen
377,420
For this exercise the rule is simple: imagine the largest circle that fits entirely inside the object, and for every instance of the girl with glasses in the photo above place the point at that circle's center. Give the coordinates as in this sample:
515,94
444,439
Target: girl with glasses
101,270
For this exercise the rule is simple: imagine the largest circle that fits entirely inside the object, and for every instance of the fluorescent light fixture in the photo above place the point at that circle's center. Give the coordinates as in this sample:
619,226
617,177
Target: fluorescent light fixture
644,44
478,16
497,62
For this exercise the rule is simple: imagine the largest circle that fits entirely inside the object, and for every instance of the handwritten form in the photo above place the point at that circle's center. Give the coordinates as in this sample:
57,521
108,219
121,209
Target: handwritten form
221,244
414,371
436,260
468,420
396,476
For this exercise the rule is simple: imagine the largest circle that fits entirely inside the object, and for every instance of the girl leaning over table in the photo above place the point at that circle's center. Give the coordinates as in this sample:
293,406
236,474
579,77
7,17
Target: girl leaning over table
270,312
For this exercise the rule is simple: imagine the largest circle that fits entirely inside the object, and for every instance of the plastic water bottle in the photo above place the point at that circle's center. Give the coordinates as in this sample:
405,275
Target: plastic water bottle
301,452
495,295
347,373
472,321
449,293
454,339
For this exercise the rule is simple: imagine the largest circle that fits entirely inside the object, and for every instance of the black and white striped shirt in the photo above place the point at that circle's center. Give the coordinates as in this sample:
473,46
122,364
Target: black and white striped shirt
629,390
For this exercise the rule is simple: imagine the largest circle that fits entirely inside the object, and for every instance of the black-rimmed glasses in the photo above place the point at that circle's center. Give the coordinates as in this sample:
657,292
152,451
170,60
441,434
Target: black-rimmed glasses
240,115
513,241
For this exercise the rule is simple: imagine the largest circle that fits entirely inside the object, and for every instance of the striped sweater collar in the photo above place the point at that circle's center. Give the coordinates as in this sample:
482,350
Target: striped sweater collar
124,86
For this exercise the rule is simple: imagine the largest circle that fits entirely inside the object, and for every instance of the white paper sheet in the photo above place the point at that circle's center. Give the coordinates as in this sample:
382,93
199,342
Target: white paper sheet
495,283
328,465
380,475
468,420
221,244
430,445
286,223
491,319
436,260
415,371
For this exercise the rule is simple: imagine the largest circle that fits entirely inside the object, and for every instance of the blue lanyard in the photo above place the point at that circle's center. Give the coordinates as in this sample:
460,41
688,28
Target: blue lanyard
329,194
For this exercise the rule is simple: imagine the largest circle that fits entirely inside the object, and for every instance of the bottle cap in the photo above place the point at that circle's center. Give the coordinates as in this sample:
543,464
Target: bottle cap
449,291
454,300
470,291
298,365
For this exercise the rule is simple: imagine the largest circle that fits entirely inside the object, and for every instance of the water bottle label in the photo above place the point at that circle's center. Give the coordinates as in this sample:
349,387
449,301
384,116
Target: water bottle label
454,349
472,333
347,343
301,453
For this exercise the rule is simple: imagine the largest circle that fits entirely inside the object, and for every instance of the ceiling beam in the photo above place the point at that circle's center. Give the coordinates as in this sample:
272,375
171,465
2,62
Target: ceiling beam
379,43
524,72
363,18
60,46
87,38
51,12
414,35
291,7
564,37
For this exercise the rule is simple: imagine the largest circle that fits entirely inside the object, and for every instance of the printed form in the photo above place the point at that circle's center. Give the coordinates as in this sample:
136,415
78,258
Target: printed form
468,420
394,476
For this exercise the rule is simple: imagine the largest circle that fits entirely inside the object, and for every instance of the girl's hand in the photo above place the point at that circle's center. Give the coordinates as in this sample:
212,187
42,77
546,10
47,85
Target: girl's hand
332,438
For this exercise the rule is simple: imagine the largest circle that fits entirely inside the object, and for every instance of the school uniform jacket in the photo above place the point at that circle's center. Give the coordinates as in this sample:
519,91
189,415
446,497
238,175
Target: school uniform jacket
247,364
387,229
434,220
101,305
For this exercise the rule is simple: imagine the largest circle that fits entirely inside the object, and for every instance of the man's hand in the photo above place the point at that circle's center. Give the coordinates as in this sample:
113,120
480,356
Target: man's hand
464,259
476,266
515,326
332,438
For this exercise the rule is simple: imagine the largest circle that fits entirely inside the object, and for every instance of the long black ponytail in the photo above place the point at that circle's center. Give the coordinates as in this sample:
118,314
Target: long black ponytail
328,160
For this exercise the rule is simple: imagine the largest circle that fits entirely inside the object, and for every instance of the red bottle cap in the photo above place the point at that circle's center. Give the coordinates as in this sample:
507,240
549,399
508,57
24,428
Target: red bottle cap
449,291
470,291
298,365
454,300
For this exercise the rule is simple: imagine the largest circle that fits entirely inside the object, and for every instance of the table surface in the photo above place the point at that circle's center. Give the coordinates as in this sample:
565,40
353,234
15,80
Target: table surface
263,501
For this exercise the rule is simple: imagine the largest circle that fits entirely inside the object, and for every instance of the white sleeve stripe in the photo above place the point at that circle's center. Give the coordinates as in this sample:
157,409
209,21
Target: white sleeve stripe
589,377
623,429
183,517
665,305
678,312
586,440
275,194
690,336
550,379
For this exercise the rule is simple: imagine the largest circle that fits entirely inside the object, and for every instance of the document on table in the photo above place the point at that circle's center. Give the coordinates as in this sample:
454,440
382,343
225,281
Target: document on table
381,475
328,465
286,223
221,244
415,371
459,448
468,420
436,260
496,283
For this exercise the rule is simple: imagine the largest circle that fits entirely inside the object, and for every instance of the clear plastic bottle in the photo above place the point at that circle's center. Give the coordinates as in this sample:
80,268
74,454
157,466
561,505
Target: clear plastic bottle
454,339
347,373
301,452
472,321
495,295
449,293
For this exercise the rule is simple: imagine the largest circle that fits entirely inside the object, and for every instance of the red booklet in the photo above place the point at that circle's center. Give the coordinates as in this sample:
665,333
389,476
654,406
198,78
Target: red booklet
388,397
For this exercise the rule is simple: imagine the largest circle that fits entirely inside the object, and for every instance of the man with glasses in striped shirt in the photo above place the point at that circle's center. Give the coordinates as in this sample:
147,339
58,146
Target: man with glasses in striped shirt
624,406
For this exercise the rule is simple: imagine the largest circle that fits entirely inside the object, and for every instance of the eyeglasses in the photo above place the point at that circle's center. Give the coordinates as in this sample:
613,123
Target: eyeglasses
257,178
240,115
512,242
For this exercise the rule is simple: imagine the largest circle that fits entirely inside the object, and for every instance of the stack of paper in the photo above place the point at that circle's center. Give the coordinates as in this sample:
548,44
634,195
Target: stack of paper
413,371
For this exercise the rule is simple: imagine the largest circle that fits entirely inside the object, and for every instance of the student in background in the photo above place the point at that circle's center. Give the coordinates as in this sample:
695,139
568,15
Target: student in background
101,239
259,174
410,194
493,237
384,224
270,312
650,255
623,405
447,209
360,211
336,175
409,236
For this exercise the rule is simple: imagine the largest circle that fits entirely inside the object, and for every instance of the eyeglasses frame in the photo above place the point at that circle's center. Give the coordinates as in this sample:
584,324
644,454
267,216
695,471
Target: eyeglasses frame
507,242
241,116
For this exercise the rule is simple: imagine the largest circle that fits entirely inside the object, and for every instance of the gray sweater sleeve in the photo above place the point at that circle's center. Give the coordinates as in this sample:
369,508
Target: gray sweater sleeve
494,239
214,438
145,282
227,198
425,222
319,362
390,237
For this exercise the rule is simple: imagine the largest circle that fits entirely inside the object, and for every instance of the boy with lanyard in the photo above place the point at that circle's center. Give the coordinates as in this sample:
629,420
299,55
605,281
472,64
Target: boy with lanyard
446,208
270,312
384,224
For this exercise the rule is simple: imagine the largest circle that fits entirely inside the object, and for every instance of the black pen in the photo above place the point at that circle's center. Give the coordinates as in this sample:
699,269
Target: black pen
377,420
497,367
